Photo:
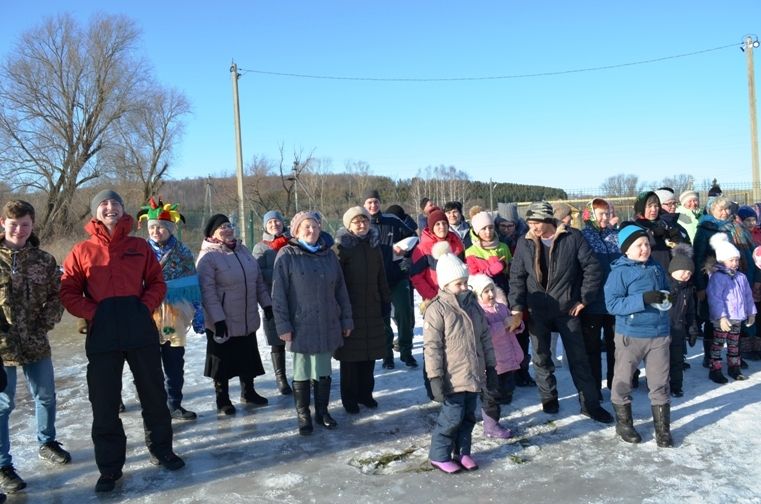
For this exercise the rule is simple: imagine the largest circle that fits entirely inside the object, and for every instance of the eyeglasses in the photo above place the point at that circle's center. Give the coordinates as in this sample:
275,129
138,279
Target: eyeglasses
669,204
226,225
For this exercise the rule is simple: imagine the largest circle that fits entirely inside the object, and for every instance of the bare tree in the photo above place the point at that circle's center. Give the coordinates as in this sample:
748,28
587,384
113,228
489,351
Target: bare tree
679,183
620,185
61,92
146,137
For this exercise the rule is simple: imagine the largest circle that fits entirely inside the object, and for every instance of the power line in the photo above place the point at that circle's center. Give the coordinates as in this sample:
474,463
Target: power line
487,77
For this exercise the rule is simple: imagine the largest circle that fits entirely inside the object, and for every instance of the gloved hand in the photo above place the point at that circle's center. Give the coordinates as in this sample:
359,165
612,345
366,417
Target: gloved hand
724,324
751,320
492,382
692,335
268,314
437,389
675,235
495,266
654,297
220,332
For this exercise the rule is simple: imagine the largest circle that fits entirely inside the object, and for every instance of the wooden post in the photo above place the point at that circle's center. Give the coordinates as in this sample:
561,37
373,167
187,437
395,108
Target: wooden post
238,154
749,45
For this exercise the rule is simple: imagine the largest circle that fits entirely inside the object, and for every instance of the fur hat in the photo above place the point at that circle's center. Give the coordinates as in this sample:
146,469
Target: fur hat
436,215
353,212
480,221
687,195
213,223
724,249
681,259
272,214
540,211
300,217
448,266
102,196
479,282
629,234
562,210
745,212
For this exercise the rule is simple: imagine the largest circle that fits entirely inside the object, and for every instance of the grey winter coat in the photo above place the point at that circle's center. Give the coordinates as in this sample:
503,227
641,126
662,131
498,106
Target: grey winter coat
310,298
231,288
457,343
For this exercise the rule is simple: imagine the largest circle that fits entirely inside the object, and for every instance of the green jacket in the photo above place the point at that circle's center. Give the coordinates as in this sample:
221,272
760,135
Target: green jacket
30,281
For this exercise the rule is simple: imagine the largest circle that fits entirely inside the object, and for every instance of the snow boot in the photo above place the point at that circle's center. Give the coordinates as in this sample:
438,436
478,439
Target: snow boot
223,398
302,392
321,400
736,374
493,429
278,365
248,394
625,423
447,466
466,461
662,422
717,376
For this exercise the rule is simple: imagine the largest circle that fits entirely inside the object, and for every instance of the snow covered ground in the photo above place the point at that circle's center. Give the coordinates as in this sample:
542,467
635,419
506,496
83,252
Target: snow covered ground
381,455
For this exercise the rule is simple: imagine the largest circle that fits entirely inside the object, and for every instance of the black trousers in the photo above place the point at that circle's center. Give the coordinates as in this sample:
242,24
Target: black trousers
357,381
591,325
539,327
104,381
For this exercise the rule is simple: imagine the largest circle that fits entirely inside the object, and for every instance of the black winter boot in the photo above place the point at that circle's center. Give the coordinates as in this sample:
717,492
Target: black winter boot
302,392
625,423
321,400
736,374
223,398
249,395
717,376
278,364
662,422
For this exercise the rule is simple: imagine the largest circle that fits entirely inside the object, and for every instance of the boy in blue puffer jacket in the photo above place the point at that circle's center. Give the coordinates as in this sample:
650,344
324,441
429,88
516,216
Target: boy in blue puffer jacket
636,294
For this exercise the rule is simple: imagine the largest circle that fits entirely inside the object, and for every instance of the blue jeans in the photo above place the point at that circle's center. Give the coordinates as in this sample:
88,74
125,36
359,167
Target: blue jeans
453,432
41,382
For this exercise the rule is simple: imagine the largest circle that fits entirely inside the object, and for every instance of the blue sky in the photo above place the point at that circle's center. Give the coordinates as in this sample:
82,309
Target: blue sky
683,115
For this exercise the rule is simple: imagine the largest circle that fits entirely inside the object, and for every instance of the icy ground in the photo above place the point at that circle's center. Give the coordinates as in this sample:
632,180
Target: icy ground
381,455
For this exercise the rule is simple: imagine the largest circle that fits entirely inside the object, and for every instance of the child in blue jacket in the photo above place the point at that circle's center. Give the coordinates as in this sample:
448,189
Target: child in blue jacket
636,294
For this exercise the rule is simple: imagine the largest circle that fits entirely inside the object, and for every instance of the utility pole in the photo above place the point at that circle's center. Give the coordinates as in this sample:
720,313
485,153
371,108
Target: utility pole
238,153
749,43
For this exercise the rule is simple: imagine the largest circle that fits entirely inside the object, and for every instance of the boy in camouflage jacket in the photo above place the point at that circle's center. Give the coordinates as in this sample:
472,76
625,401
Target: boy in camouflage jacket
30,306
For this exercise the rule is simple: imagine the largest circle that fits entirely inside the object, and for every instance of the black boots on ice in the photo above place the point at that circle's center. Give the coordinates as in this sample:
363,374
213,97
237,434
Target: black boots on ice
625,423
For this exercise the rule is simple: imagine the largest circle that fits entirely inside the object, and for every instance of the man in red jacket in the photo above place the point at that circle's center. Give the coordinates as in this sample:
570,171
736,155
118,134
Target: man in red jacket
113,281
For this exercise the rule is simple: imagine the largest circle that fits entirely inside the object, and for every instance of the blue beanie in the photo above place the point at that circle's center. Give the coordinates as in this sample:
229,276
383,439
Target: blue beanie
629,234
746,211
272,214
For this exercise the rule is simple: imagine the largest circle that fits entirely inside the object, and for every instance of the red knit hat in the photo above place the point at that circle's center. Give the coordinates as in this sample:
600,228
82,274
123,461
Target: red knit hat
436,215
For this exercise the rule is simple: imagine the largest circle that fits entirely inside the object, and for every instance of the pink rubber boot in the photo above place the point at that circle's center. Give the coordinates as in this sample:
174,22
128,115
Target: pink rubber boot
447,466
467,462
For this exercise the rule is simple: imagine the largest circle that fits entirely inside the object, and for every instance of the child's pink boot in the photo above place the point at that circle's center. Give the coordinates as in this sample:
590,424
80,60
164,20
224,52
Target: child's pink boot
467,462
448,466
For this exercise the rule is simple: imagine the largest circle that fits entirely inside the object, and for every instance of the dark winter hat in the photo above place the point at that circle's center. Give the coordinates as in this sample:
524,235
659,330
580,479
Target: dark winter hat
629,234
272,214
715,190
436,215
540,211
371,193
424,202
746,211
105,194
397,210
451,205
681,259
213,223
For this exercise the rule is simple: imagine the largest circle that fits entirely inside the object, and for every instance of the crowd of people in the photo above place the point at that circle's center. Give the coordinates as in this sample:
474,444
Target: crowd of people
496,293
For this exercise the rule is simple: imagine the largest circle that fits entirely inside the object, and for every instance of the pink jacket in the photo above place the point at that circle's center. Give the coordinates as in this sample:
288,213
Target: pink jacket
506,347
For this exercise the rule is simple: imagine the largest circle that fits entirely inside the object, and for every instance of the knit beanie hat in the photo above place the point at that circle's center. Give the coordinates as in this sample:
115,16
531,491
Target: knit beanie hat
665,196
448,266
479,282
540,211
436,215
629,234
681,259
272,214
746,211
724,249
213,223
480,221
353,212
300,217
687,195
370,193
102,196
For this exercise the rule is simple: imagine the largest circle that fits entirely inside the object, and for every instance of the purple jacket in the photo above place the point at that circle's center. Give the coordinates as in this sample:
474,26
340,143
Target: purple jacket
729,295
507,350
